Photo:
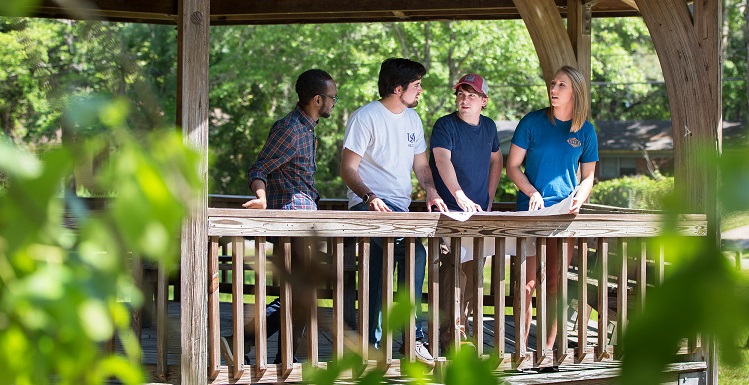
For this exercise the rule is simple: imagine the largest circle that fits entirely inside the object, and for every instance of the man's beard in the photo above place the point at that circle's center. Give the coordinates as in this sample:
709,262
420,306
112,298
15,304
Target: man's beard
411,105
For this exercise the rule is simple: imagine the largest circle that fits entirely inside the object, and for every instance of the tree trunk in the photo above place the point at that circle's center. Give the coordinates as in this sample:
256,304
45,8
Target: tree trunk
746,41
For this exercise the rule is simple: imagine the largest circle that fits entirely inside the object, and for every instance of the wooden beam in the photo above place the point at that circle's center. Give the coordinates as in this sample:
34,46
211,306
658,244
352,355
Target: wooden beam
579,30
689,57
545,25
192,61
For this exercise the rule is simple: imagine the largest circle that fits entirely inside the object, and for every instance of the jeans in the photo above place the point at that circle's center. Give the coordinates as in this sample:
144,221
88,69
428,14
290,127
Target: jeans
375,279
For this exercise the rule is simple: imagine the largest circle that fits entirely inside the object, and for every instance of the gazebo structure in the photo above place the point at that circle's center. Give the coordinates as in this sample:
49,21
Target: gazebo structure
687,40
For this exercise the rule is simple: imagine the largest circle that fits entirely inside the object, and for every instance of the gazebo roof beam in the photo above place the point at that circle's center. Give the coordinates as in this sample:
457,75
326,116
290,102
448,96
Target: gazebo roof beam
226,12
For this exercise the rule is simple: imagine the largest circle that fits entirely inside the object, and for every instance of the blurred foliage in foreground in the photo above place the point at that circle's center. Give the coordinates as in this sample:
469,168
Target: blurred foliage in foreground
61,275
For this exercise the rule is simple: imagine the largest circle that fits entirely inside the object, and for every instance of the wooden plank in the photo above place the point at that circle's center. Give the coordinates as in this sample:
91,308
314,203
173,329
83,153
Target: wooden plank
312,337
287,330
162,322
234,222
388,258
621,298
433,323
520,302
642,282
478,295
237,304
409,338
498,261
660,266
261,327
364,297
541,301
454,304
582,299
579,15
603,300
561,310
192,112
338,338
214,314
136,314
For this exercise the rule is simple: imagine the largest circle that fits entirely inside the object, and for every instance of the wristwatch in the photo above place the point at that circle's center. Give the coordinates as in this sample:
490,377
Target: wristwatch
368,197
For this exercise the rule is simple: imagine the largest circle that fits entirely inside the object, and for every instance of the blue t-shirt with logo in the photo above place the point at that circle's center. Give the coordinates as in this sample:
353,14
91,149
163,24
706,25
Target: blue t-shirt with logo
470,151
553,155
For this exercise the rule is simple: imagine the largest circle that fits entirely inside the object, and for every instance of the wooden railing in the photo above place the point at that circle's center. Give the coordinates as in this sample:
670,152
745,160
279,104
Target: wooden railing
608,237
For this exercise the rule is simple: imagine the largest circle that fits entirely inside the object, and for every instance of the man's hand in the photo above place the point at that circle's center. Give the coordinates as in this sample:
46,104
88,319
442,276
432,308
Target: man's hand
433,199
536,202
466,203
377,204
257,203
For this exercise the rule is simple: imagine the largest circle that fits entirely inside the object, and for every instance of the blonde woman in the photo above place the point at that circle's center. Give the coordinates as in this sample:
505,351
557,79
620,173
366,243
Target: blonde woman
554,142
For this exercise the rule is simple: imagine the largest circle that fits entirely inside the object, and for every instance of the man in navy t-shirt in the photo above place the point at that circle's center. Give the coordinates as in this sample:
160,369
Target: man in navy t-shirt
466,165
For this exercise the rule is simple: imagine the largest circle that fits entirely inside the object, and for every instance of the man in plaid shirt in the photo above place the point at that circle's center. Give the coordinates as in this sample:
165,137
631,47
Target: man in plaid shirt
283,178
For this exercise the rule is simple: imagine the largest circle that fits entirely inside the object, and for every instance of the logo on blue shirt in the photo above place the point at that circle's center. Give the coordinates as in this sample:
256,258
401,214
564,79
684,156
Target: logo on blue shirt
574,142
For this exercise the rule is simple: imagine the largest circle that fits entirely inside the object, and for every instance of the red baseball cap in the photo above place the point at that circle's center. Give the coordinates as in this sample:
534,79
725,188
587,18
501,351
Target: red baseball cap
476,81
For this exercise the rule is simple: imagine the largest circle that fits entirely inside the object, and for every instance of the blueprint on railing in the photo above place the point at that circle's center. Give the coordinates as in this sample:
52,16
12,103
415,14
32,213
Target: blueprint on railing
560,208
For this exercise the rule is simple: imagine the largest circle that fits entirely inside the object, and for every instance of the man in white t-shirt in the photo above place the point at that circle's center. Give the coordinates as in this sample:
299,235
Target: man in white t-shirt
384,141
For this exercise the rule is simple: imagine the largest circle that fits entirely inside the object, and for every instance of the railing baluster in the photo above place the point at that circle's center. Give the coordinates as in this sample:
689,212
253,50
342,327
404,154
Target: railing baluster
287,333
519,302
364,298
582,299
410,332
388,257
603,299
499,280
660,273
214,362
642,282
433,260
621,299
541,300
337,252
563,256
162,320
454,302
478,295
310,249
261,343
237,304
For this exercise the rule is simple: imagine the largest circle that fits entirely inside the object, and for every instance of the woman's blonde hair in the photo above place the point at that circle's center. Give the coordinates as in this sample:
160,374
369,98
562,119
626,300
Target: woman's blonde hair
580,94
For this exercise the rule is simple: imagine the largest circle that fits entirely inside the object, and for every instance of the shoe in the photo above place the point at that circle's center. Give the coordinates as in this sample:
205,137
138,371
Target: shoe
420,352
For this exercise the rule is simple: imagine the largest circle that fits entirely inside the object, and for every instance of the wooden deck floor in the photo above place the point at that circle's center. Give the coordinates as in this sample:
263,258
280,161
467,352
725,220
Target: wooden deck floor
148,339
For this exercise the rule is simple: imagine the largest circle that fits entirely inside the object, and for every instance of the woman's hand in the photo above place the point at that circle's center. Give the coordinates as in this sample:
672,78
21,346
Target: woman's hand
536,202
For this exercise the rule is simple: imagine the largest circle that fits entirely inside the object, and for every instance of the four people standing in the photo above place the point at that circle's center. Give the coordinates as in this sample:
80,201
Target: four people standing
384,141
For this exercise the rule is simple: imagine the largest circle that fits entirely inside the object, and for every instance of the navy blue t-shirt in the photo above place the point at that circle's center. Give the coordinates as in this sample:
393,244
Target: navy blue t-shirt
470,151
552,155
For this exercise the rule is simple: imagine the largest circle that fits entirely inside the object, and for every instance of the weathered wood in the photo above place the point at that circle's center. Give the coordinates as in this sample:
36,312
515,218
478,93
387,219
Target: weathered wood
563,255
214,315
546,27
233,222
603,300
409,334
542,321
642,284
287,330
433,261
520,301
136,314
388,259
261,327
454,308
237,305
338,324
478,295
498,262
582,303
311,297
231,12
192,113
364,298
621,298
579,15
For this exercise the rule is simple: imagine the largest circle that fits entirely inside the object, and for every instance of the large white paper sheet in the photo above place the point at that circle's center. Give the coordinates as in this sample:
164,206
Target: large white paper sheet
562,207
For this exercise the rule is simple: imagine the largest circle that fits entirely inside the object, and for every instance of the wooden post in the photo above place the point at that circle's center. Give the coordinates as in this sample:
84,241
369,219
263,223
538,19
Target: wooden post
578,29
433,260
192,111
478,295
541,300
261,353
338,298
388,258
546,28
520,302
498,264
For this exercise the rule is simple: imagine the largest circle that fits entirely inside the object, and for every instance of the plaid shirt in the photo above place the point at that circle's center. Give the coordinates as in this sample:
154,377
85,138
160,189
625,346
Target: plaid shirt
287,163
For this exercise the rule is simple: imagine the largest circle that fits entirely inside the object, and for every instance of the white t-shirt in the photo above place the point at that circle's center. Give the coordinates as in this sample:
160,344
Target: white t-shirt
387,143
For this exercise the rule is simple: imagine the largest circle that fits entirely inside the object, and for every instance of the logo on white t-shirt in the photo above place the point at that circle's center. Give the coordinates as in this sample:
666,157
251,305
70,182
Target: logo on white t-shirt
411,136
